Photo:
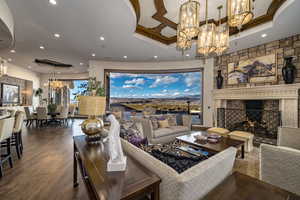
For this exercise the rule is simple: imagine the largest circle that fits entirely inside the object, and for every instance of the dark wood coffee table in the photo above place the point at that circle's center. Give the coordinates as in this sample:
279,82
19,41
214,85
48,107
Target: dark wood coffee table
135,182
223,144
242,187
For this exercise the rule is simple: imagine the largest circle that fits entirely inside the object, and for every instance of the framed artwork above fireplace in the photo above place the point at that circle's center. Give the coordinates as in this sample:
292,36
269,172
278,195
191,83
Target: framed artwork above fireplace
256,70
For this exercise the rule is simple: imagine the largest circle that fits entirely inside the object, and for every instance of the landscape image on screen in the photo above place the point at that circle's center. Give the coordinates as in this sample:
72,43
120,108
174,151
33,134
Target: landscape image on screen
163,93
10,93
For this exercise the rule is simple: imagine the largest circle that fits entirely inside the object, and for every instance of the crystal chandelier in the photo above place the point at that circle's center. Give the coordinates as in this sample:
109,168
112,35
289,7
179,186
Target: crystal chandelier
207,36
222,36
183,42
3,68
189,18
239,12
54,83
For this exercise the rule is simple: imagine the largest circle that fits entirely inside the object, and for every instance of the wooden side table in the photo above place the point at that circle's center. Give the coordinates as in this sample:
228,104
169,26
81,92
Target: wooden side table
135,182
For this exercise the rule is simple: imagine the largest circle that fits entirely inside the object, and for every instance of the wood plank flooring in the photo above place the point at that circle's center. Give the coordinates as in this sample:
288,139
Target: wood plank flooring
45,171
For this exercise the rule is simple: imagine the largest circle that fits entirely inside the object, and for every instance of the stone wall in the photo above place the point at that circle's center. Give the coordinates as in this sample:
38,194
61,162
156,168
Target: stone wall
285,47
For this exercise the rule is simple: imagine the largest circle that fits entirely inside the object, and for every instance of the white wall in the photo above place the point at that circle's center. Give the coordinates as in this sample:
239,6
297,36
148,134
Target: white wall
22,73
96,69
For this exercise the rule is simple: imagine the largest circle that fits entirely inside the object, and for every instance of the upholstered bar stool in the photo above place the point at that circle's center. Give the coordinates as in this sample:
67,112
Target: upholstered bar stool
6,129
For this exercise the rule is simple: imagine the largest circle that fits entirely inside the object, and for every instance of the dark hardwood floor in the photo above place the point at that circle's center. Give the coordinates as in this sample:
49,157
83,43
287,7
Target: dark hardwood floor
46,168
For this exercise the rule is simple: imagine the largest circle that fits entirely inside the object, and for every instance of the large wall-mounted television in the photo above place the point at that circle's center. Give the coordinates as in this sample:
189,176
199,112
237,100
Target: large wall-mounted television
10,94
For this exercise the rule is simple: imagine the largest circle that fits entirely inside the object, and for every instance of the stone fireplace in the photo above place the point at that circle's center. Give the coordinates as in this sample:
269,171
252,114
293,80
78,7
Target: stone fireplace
265,107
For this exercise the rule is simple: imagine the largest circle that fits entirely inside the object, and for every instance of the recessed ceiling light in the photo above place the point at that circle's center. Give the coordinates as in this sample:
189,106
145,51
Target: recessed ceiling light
42,47
264,35
155,57
81,64
53,2
29,67
125,57
12,51
57,35
187,55
93,54
102,38
9,60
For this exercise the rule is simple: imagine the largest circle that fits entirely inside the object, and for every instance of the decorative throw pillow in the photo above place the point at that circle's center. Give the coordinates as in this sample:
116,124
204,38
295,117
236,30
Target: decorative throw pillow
164,123
154,122
137,140
172,120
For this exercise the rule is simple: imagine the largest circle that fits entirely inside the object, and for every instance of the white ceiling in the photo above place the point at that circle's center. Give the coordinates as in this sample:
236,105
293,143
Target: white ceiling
80,24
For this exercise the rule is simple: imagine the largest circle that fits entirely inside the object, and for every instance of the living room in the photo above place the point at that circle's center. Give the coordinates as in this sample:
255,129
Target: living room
162,99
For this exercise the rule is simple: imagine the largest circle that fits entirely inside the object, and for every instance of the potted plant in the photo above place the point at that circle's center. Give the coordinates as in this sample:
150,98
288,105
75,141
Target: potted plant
38,93
52,108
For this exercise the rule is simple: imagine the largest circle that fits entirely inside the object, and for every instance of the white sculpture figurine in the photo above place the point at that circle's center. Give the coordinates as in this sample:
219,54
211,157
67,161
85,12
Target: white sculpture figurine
117,160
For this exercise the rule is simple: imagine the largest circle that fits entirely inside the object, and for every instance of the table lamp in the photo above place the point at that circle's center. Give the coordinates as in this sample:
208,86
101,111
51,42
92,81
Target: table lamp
92,106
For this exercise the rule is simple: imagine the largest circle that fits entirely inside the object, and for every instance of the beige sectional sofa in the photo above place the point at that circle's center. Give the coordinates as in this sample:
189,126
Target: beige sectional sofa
164,135
192,184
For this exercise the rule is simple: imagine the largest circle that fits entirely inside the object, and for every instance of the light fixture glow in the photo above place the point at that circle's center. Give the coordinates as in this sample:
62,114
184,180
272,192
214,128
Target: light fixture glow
42,47
57,35
189,18
264,35
9,60
81,64
93,55
12,51
125,57
187,55
53,2
102,38
239,12
155,57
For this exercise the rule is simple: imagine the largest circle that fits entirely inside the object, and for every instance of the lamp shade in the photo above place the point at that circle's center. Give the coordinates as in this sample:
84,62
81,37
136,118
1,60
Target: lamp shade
92,105
189,18
239,12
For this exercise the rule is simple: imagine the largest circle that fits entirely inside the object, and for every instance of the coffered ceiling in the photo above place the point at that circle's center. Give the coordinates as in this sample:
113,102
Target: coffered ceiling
157,19
82,24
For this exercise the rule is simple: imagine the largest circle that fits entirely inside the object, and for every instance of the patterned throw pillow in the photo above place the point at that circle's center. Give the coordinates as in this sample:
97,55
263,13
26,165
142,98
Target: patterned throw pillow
154,122
172,120
164,123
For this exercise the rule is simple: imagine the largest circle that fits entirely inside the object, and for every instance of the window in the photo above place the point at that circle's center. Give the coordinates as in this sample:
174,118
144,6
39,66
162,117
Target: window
170,92
79,88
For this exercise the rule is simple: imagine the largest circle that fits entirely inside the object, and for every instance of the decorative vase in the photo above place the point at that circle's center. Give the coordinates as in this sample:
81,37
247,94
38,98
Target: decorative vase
219,79
289,71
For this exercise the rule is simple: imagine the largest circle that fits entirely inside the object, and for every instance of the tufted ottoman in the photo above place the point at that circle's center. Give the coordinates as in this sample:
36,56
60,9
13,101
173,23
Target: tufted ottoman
243,136
220,131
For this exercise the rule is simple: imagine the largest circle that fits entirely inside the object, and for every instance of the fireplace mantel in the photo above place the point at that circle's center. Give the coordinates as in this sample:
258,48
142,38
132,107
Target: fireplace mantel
259,92
288,96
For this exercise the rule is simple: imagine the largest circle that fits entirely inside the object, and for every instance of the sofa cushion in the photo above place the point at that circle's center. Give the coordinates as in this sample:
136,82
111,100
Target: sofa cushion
154,123
160,132
172,120
177,129
163,123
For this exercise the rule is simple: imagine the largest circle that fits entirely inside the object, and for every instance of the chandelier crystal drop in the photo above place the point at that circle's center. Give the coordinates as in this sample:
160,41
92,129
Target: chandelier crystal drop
207,36
239,12
183,42
222,36
189,18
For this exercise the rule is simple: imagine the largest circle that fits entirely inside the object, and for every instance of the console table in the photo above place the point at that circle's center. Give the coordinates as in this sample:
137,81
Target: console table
131,184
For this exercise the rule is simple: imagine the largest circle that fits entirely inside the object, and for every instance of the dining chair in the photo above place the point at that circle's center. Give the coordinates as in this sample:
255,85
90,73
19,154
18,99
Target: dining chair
72,109
30,117
6,130
63,116
42,116
17,133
